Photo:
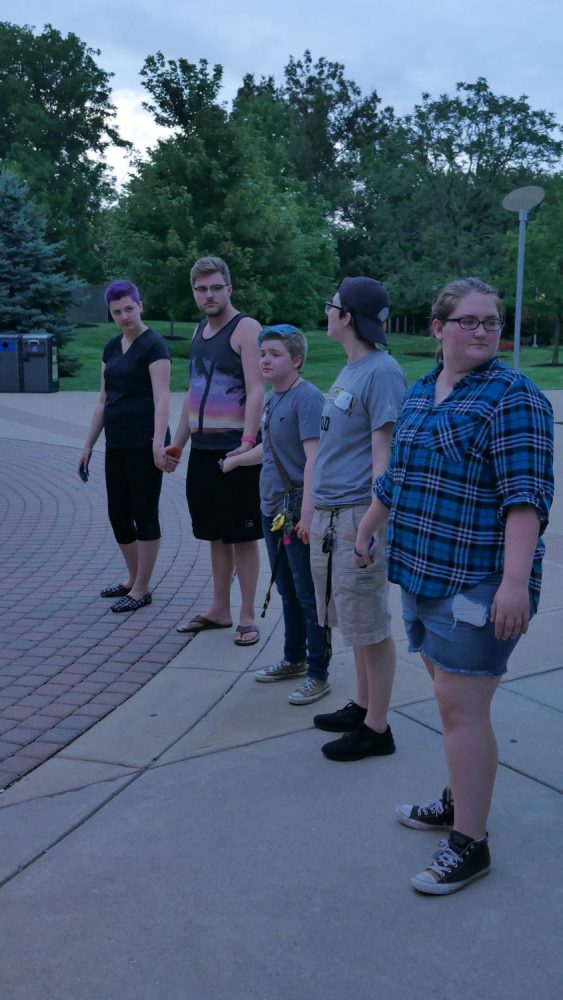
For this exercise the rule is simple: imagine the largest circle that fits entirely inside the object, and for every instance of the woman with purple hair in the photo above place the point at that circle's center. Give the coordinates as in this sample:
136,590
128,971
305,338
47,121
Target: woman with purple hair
132,409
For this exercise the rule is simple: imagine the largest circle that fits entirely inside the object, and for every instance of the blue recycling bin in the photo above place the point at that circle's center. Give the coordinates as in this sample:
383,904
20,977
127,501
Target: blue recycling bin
11,362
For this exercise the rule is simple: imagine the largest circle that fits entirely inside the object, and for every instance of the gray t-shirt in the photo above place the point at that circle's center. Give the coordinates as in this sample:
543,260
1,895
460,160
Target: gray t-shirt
294,417
366,395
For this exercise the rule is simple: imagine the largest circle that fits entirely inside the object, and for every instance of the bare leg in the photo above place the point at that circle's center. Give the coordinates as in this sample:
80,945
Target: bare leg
247,561
130,554
362,690
379,663
146,558
469,744
429,664
222,568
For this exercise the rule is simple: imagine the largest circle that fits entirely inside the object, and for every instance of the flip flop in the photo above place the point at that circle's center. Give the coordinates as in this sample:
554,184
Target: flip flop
244,630
202,624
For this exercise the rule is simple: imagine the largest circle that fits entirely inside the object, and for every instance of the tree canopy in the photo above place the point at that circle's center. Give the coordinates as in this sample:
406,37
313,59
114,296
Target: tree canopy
297,183
56,122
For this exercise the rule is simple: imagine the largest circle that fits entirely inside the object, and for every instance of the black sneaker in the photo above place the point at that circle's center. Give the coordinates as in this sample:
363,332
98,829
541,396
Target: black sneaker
437,814
345,720
457,862
362,742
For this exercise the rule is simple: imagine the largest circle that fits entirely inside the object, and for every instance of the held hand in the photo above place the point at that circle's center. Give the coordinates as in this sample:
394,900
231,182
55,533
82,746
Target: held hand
159,457
172,456
229,463
510,610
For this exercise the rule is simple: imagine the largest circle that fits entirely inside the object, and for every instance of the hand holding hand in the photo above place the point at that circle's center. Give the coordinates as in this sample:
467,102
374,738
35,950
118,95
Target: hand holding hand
172,456
230,462
159,457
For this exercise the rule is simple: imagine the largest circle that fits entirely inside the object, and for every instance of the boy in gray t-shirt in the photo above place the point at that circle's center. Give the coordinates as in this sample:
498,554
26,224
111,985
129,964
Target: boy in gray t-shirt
356,428
290,435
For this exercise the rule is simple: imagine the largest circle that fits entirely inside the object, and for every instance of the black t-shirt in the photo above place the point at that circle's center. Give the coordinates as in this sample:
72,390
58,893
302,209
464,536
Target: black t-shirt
129,409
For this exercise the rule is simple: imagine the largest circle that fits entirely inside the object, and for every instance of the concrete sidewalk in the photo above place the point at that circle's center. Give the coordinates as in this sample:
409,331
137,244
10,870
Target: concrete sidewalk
194,844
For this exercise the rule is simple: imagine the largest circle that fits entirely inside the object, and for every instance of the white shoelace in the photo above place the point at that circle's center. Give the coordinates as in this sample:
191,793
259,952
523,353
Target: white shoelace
435,806
444,860
308,685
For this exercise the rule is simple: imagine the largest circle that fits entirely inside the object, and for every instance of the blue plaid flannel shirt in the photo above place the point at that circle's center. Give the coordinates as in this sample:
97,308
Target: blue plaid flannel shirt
456,469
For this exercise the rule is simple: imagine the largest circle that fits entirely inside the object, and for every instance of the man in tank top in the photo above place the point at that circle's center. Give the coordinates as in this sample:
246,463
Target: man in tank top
221,416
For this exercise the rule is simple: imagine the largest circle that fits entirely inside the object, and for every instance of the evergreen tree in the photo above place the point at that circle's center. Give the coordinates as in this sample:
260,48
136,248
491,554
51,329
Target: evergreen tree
56,122
34,293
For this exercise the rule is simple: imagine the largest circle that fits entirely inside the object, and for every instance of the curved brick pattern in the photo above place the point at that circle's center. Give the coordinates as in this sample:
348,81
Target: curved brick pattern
66,660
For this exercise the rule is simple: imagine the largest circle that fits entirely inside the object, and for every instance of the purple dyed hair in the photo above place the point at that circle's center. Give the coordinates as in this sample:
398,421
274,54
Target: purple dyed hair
119,289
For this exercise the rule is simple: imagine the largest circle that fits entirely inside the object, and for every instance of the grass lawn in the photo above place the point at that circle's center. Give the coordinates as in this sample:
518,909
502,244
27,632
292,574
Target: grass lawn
414,354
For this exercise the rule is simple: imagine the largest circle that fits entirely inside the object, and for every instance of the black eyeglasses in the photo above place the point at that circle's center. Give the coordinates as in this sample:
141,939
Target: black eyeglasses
202,289
331,305
492,324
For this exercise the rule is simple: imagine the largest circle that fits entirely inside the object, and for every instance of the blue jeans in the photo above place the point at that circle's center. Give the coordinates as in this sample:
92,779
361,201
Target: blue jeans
304,637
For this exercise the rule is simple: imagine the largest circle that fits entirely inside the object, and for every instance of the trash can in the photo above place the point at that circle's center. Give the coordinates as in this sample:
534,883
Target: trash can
40,363
11,361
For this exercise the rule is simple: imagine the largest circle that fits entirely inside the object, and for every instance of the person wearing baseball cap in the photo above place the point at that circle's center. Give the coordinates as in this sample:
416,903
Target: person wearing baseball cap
368,302
356,427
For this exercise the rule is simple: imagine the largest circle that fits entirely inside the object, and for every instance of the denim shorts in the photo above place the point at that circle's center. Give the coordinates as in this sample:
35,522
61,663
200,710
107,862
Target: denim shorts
456,632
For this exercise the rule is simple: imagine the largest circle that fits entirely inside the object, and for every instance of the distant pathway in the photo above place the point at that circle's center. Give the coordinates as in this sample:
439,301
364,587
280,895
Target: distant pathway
66,660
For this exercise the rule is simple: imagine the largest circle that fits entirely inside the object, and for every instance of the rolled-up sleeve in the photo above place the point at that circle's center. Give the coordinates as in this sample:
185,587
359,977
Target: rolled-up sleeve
383,487
521,450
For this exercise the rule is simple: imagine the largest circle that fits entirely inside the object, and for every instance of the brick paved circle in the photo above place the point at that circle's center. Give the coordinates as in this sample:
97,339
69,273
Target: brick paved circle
66,660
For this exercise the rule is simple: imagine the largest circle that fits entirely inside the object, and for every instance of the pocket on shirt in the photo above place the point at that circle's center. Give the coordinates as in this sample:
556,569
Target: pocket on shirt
452,435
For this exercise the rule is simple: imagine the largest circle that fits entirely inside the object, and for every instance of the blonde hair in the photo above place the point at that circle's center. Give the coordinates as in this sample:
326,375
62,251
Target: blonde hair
447,299
208,265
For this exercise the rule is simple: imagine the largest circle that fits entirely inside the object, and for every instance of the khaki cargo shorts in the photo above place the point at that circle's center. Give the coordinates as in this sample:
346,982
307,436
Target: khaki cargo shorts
359,603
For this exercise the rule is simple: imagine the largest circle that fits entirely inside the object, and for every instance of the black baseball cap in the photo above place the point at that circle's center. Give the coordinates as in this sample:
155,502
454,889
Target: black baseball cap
369,301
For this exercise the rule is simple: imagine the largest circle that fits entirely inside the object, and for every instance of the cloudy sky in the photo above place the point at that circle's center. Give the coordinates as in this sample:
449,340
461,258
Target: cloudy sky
399,48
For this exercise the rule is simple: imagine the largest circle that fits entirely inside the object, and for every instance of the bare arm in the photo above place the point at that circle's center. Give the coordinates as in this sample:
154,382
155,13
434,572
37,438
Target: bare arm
183,432
182,435
310,446
243,458
95,428
511,605
245,341
376,515
159,372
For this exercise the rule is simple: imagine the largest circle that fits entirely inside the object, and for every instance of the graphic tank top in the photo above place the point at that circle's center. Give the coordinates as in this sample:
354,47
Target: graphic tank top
217,390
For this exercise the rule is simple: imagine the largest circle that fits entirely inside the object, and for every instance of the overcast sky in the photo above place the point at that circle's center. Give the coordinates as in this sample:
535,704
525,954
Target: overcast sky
399,48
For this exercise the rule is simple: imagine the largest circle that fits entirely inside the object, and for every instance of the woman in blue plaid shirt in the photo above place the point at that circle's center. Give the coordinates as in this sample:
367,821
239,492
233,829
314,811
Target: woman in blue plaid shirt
467,493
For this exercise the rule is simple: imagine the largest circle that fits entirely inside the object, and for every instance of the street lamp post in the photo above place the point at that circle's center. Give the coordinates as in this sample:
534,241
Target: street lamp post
521,200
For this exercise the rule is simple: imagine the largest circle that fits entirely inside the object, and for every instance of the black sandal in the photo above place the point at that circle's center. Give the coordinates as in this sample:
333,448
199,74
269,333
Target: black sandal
118,590
130,604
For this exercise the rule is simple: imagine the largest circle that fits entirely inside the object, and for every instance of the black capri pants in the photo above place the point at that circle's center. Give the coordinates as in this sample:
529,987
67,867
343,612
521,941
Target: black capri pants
133,485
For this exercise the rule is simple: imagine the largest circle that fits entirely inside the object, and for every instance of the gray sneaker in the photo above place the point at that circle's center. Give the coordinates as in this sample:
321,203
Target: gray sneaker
280,671
309,691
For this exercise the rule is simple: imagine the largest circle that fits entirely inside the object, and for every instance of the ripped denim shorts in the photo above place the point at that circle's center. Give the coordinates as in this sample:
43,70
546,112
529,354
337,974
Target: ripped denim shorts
456,632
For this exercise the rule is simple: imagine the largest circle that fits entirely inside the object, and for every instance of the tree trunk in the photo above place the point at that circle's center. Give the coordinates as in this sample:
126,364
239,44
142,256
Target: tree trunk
556,340
172,319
